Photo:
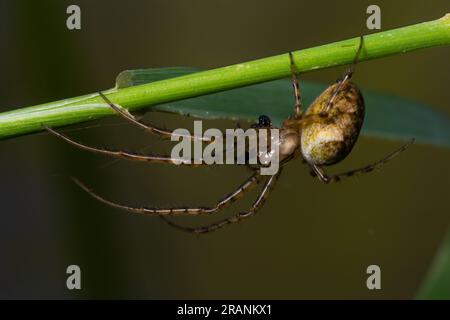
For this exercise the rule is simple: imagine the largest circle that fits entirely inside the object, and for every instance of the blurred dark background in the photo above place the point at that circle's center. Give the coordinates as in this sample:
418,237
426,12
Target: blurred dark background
309,241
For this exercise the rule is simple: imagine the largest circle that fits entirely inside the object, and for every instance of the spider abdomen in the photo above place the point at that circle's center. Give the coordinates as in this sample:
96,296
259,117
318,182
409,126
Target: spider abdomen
327,138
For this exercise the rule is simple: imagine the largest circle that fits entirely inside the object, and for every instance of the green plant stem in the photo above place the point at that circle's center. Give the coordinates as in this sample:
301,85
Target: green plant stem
91,106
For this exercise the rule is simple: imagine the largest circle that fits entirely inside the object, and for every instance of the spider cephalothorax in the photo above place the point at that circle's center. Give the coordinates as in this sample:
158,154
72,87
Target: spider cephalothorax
323,135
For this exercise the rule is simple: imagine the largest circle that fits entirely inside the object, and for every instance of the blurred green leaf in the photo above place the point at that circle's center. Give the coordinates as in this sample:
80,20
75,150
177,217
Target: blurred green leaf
386,116
437,281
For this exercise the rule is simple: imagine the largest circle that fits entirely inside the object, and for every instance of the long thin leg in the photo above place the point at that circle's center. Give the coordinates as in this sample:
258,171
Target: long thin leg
325,178
250,182
259,202
298,101
128,116
347,76
147,147
123,154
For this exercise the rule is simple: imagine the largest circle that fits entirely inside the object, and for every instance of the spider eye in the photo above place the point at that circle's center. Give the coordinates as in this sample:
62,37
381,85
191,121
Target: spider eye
264,121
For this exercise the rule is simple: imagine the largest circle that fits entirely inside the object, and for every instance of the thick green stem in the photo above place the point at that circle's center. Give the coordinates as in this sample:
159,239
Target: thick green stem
91,106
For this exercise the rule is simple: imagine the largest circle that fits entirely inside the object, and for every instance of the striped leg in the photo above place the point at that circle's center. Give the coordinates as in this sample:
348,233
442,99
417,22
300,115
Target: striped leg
123,154
259,202
337,177
128,116
254,179
348,75
298,101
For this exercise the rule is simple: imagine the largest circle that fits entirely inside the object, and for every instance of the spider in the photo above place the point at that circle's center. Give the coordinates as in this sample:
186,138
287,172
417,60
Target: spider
322,136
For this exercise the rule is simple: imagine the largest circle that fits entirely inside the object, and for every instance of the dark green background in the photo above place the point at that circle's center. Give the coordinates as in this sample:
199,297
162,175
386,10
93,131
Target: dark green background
310,240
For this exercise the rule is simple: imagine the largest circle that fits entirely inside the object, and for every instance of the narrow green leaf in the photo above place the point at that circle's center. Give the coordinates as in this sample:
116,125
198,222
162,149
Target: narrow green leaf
437,282
386,116
89,107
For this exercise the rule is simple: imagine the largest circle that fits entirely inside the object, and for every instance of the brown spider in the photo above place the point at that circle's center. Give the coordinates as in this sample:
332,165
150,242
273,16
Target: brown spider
323,135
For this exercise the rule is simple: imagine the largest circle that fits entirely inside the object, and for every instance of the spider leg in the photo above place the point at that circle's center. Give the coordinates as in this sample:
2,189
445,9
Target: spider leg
250,182
347,76
128,116
297,94
123,154
325,178
259,202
